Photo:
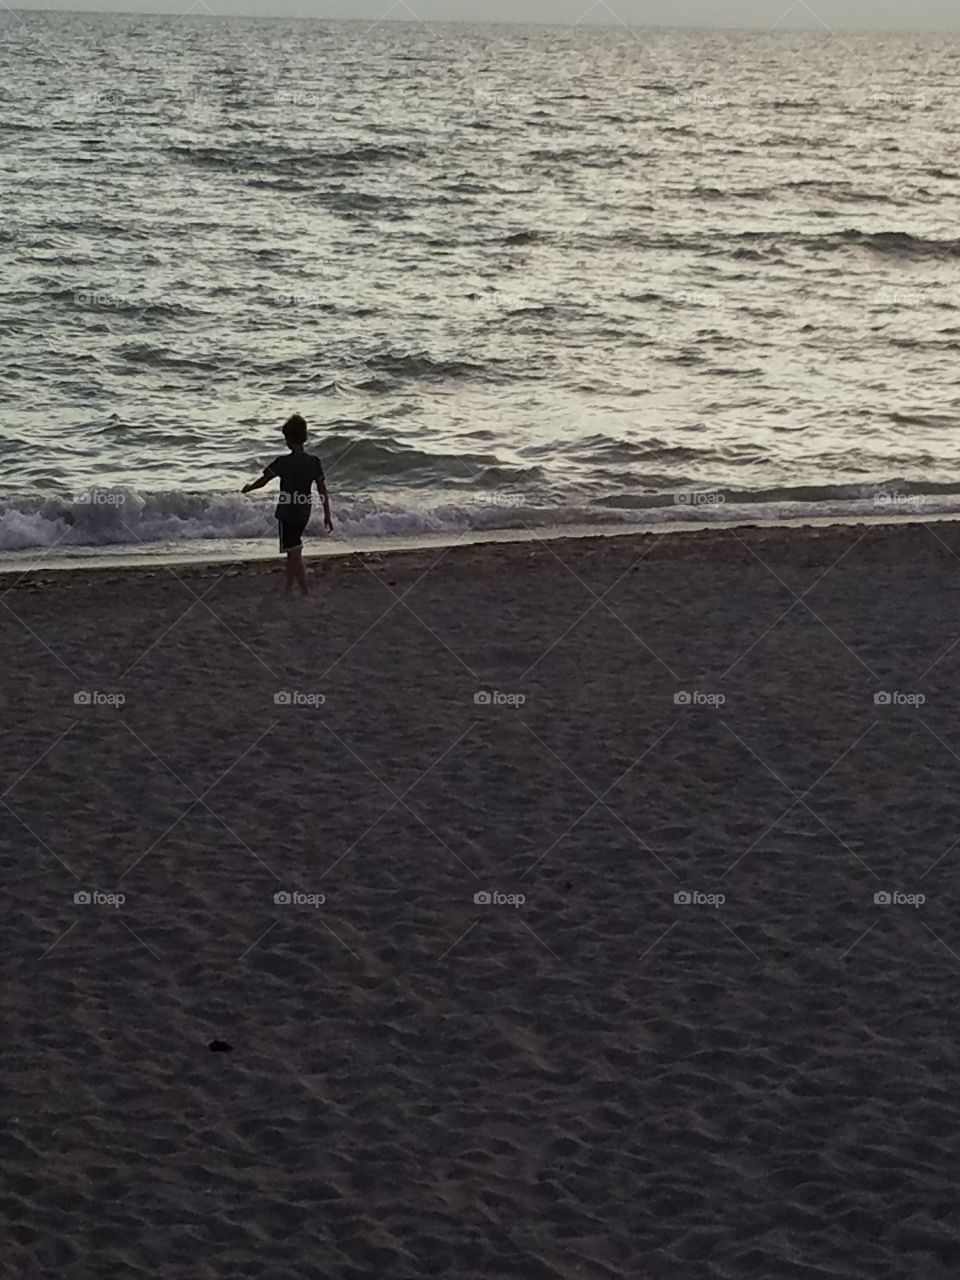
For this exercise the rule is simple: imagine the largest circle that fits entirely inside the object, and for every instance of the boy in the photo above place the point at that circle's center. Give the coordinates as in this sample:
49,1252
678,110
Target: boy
297,472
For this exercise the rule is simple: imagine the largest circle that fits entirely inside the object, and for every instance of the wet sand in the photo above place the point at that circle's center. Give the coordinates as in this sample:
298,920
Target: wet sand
684,1039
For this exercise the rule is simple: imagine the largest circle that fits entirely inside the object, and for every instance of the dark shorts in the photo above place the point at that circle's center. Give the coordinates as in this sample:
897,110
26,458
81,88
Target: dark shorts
291,531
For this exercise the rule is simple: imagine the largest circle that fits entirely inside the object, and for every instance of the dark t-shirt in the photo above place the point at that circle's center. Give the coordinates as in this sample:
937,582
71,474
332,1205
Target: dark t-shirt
298,473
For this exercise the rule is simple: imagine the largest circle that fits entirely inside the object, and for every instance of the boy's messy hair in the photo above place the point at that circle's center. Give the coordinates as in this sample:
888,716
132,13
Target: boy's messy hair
295,430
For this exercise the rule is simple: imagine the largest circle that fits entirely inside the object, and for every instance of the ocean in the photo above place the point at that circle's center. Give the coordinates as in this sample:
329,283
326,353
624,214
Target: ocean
515,278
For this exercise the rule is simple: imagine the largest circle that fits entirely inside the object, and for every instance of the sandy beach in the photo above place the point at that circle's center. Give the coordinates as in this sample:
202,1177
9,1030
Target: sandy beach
534,889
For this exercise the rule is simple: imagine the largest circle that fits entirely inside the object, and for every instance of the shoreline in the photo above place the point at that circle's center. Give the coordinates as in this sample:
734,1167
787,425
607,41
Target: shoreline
573,538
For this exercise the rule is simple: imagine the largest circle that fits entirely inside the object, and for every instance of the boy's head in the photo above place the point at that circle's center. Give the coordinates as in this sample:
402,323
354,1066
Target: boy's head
295,431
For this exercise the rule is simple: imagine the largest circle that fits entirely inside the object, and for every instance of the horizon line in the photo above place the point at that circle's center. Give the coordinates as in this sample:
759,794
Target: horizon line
200,9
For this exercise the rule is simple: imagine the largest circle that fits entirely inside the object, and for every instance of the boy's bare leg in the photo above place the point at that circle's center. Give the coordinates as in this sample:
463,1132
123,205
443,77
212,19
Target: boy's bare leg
300,571
291,572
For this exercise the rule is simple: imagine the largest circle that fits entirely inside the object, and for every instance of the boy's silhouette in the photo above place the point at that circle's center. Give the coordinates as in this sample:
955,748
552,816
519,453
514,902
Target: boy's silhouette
297,471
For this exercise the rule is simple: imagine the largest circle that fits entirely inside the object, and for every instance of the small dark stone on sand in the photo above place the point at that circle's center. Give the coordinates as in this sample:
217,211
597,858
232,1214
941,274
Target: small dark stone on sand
220,1046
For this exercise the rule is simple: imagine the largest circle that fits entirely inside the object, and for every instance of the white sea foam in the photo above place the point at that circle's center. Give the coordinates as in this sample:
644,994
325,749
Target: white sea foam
122,517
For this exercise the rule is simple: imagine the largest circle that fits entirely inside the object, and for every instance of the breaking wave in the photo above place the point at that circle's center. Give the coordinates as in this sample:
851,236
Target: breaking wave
123,517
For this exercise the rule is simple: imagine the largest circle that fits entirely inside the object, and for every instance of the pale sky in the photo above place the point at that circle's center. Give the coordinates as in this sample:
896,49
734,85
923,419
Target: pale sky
919,15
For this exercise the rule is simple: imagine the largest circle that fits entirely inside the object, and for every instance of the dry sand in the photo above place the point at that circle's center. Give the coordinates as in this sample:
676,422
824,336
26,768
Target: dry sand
600,1082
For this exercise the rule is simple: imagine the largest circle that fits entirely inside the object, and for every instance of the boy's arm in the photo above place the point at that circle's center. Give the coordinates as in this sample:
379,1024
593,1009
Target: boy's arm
268,475
325,497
